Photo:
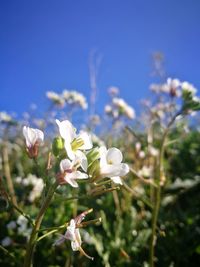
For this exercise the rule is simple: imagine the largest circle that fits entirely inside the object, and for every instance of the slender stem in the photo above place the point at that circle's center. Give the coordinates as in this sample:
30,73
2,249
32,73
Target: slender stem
38,221
157,192
7,173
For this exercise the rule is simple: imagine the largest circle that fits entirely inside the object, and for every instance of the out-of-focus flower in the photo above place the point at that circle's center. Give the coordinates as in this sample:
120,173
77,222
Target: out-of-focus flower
73,234
171,87
23,228
146,171
75,144
55,98
11,225
124,108
73,97
33,138
7,241
35,182
69,173
153,151
111,165
188,87
119,108
113,90
5,117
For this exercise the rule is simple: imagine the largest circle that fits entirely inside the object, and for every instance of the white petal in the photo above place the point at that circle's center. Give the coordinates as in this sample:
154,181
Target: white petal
116,180
103,153
114,156
40,135
81,157
70,152
69,178
67,130
30,136
65,164
114,170
80,175
86,139
76,243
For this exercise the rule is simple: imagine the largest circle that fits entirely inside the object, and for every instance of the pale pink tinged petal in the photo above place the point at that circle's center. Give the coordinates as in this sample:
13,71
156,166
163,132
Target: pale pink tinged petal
114,156
59,241
70,180
67,130
65,164
86,139
116,180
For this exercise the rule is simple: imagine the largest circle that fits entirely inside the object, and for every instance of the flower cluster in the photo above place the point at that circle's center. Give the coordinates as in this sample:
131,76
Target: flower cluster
36,183
118,108
77,159
75,98
69,97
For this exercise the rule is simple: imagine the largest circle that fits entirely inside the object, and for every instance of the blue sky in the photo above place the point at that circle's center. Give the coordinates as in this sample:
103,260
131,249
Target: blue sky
45,45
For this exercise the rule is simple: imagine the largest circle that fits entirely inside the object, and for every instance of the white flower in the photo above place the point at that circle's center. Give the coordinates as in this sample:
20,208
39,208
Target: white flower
32,136
74,144
110,164
75,98
56,98
189,88
73,235
5,117
11,225
69,173
7,241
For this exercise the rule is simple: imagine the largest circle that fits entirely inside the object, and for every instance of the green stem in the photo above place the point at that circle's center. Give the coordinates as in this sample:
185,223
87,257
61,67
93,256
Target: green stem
157,192
38,221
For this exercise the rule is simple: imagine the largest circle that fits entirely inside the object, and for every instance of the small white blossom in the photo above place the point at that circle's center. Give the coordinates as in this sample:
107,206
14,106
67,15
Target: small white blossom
74,143
111,164
69,173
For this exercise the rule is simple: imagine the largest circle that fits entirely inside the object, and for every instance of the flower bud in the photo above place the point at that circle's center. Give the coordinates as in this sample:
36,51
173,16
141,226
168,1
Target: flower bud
57,145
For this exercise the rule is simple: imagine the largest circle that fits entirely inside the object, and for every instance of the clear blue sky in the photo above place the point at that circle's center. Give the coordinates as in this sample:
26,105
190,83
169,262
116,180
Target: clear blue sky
45,45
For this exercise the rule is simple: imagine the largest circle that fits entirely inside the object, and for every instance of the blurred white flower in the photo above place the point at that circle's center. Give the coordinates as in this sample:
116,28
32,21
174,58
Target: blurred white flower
75,98
111,164
11,225
55,98
5,117
146,171
7,241
23,228
113,90
188,87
